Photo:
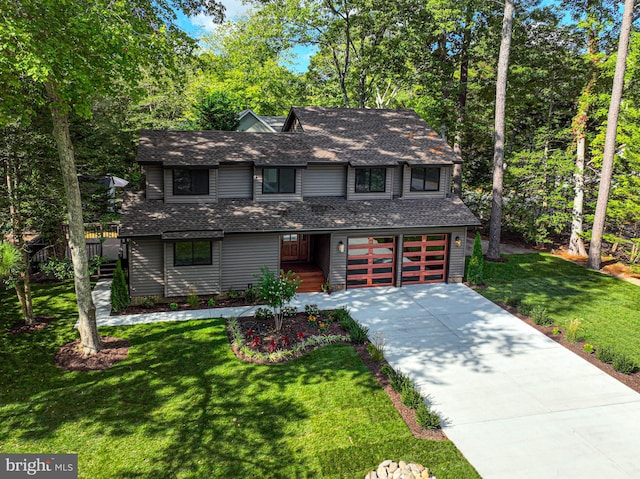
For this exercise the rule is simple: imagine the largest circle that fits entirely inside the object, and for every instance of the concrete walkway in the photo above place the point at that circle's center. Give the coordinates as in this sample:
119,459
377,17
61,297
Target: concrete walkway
515,403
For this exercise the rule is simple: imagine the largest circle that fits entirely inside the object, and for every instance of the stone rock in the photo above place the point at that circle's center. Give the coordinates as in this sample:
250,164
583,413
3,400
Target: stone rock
392,467
382,472
386,463
402,464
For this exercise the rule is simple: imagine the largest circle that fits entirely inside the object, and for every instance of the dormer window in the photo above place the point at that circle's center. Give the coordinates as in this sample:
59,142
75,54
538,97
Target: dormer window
425,179
278,180
371,180
190,182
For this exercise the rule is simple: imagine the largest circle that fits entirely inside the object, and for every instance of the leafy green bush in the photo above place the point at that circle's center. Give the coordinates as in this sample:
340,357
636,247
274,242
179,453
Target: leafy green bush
251,294
192,299
120,298
606,354
475,267
623,364
399,380
277,289
513,301
572,334
263,313
58,268
525,308
375,353
427,418
211,302
588,348
540,316
233,295
410,396
289,311
148,302
312,310
173,306
387,370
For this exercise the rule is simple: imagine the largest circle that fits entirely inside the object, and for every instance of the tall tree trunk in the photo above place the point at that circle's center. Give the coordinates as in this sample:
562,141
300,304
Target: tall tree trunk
462,103
576,245
610,139
23,284
498,155
88,329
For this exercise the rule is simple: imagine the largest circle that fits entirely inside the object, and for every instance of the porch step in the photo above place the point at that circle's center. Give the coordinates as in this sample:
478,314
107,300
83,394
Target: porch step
311,281
107,269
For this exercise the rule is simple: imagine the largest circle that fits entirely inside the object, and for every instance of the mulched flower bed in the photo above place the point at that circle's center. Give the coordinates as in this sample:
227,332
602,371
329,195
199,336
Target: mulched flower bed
20,327
293,326
182,305
631,380
71,357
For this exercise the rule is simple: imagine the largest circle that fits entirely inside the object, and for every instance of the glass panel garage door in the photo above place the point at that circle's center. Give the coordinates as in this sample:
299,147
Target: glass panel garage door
371,261
424,259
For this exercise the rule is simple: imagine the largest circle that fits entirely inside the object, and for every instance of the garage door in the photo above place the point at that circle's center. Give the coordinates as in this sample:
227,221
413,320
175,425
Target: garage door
371,261
424,259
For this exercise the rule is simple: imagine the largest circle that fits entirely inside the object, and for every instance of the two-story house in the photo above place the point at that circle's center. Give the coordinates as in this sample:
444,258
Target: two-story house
360,196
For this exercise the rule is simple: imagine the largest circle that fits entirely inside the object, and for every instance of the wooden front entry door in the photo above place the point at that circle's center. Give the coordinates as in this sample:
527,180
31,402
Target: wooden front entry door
294,247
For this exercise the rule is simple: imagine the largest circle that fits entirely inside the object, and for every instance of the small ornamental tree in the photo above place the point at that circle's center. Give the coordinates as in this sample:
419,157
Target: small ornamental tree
277,290
12,269
120,298
475,267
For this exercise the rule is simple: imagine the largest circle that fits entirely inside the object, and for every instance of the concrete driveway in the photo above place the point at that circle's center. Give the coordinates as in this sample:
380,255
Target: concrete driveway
515,403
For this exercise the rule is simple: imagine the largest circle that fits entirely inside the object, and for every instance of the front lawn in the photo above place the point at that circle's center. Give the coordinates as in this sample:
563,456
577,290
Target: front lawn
183,406
608,308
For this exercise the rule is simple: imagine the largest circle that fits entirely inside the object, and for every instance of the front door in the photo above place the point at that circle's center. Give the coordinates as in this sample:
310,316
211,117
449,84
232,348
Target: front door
294,247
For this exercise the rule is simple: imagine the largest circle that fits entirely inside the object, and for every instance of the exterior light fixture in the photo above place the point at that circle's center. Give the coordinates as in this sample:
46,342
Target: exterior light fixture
340,247
458,241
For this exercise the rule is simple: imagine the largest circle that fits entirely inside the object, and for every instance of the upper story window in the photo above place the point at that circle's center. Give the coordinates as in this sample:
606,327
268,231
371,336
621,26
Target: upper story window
278,180
190,253
425,179
371,180
190,182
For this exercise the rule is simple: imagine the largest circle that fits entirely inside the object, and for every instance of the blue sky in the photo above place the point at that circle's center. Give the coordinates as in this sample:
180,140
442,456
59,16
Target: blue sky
201,24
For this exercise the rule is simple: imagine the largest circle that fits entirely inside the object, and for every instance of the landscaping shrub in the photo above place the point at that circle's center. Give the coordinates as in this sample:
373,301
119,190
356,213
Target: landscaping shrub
251,294
173,306
588,348
312,310
289,311
387,370
475,267
147,302
525,308
211,302
623,364
375,353
572,334
192,299
606,354
427,418
263,313
411,397
513,301
120,298
399,380
540,316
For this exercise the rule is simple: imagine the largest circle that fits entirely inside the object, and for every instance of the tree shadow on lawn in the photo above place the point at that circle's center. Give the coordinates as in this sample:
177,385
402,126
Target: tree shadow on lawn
195,407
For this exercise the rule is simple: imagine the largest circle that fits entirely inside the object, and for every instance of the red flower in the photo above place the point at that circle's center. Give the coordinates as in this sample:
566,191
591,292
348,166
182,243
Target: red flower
286,341
250,332
272,346
255,343
300,336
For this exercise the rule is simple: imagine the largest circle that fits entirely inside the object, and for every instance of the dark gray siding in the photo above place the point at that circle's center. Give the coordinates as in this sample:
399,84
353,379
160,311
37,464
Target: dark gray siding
338,262
351,187
146,277
235,182
212,197
324,181
154,182
244,254
201,279
456,254
397,182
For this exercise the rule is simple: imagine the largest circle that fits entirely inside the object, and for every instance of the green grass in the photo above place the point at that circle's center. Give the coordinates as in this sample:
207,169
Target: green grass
183,406
608,308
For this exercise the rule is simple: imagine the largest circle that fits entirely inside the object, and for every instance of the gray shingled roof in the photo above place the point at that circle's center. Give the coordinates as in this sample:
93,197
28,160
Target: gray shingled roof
355,136
210,148
155,218
362,136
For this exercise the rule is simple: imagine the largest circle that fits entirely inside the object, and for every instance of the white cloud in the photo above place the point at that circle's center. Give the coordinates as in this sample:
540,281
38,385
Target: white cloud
234,10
